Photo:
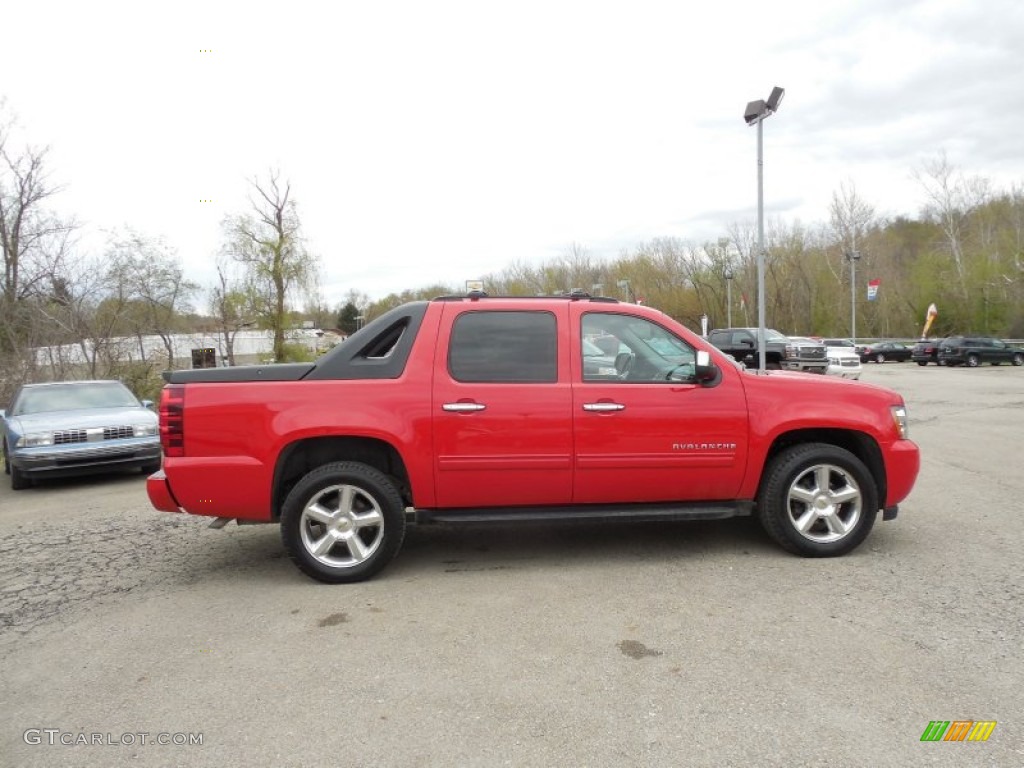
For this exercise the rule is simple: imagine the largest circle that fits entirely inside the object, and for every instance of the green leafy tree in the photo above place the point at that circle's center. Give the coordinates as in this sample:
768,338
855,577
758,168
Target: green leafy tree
348,318
267,242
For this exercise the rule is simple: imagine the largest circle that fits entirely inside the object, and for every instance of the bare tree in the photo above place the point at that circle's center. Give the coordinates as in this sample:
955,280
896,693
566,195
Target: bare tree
147,274
33,242
268,242
850,215
951,200
232,307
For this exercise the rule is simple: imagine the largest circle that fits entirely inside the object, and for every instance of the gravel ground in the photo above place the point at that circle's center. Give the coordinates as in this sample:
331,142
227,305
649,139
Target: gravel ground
656,644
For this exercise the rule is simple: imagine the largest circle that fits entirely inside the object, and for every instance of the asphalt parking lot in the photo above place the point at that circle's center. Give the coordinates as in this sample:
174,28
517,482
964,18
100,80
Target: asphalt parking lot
660,644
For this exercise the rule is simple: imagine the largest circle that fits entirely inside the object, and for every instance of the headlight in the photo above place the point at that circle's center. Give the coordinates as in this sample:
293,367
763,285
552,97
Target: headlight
899,416
34,439
145,430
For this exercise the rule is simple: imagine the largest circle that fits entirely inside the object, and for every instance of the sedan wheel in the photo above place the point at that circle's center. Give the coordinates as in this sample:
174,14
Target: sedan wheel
19,480
818,500
1018,359
972,361
879,358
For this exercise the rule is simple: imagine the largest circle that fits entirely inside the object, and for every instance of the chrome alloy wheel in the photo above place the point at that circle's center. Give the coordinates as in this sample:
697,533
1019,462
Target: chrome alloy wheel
341,526
824,503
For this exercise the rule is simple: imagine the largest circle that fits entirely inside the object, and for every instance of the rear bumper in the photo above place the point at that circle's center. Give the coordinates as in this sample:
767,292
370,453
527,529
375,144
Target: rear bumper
159,493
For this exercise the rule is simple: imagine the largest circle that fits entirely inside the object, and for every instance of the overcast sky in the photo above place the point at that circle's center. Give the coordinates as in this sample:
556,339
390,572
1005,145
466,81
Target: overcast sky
440,141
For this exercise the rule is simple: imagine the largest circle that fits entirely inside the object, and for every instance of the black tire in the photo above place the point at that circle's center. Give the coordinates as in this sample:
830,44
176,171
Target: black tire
772,365
1018,359
365,528
972,361
834,528
879,358
19,480
7,462
149,469
922,363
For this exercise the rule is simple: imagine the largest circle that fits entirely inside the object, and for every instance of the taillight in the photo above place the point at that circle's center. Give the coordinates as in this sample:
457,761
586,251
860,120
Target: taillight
172,419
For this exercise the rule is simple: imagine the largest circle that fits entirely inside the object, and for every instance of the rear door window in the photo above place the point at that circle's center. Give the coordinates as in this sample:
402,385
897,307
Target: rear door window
504,346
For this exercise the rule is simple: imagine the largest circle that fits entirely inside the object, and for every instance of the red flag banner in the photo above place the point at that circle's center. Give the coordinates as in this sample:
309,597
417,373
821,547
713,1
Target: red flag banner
873,289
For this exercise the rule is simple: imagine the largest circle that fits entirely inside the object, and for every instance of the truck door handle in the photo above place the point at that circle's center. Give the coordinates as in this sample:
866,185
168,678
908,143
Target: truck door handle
603,407
463,407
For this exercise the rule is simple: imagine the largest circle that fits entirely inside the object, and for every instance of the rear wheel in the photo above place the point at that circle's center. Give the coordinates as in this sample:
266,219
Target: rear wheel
817,500
1018,359
922,363
879,358
343,522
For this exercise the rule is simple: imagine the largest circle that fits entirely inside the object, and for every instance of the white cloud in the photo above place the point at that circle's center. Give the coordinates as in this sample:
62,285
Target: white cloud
437,142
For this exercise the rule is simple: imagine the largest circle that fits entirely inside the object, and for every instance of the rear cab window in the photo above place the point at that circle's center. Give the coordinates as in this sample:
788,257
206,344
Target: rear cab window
509,346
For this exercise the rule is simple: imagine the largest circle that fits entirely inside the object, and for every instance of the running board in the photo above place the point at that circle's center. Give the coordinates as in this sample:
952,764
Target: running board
588,513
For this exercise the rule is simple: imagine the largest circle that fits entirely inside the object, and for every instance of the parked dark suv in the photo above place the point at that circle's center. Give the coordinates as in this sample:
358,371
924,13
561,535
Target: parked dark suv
780,351
925,352
972,351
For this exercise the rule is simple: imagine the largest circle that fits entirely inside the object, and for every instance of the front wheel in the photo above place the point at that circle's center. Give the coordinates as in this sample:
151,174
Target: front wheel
972,361
19,480
922,363
343,522
817,500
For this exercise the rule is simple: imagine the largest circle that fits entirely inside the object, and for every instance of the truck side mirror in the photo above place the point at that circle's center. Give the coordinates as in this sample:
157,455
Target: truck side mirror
706,373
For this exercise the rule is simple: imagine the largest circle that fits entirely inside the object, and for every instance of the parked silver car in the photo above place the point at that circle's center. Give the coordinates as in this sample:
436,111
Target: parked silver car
77,427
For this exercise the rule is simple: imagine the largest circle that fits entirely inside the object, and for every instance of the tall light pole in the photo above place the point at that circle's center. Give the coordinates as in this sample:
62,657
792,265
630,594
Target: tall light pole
728,297
755,114
853,256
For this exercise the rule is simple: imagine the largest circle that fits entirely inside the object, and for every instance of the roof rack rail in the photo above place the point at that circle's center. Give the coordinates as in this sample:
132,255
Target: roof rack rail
574,296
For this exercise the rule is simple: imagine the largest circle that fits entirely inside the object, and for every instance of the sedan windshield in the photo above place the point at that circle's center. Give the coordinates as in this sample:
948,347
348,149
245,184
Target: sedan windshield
73,396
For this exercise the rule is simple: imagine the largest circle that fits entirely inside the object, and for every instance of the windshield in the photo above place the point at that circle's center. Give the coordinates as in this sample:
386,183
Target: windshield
772,335
73,396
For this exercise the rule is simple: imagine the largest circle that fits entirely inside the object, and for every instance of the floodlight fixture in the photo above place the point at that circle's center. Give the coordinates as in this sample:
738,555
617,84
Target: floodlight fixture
755,111
775,99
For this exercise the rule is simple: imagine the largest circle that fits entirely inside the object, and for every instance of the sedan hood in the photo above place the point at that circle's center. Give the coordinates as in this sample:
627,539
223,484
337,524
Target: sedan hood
82,419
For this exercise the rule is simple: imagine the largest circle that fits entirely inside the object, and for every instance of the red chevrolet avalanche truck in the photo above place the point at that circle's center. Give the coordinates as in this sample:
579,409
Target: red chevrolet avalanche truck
474,409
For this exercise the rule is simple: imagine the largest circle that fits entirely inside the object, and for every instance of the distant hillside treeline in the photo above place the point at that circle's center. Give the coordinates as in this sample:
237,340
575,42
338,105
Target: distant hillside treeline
964,255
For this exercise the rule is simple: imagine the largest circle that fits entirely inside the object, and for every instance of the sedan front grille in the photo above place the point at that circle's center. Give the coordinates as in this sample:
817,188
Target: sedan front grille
67,436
